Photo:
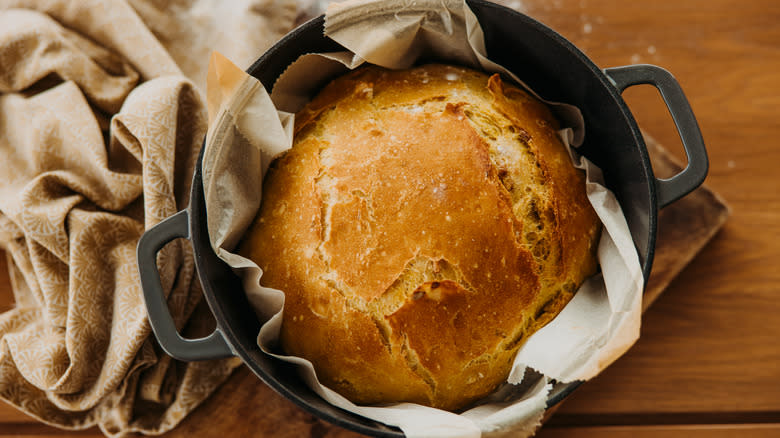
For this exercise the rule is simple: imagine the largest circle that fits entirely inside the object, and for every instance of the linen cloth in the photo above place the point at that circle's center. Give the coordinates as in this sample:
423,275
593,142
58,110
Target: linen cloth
99,134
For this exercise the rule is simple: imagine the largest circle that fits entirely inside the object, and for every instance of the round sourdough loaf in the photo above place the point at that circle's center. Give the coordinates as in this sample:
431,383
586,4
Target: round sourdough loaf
423,225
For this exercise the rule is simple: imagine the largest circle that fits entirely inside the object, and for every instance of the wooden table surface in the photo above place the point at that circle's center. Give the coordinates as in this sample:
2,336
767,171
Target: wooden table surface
708,360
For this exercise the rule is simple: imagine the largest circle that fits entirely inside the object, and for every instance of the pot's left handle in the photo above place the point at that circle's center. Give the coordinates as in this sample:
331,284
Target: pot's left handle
674,188
213,346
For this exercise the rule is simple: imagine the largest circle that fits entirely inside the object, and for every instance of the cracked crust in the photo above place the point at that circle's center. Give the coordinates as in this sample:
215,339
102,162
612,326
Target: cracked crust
424,223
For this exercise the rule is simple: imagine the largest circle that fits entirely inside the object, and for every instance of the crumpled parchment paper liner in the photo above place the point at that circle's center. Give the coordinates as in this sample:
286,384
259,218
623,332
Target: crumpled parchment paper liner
599,324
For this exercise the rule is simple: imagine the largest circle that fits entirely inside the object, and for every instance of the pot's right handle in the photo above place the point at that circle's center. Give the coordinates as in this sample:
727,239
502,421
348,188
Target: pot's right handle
153,240
674,188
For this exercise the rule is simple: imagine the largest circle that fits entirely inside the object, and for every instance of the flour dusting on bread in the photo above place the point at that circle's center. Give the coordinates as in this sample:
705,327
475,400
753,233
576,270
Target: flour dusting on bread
423,225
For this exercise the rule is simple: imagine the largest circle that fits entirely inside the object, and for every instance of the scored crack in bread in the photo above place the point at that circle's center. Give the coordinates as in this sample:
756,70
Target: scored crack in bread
423,225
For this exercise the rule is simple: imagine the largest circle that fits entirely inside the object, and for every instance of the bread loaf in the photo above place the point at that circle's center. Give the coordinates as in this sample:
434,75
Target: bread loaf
423,225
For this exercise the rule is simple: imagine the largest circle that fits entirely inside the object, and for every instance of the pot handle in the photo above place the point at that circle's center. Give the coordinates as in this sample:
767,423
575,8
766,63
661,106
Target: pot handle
674,188
213,346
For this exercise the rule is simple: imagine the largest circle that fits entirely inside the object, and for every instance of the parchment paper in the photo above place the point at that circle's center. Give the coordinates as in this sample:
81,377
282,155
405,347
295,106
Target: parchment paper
248,129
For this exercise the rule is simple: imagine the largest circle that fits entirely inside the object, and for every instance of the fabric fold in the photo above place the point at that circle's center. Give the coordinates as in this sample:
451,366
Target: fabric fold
99,135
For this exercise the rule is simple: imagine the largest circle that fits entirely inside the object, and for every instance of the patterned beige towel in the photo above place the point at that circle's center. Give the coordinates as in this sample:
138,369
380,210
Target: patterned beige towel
99,133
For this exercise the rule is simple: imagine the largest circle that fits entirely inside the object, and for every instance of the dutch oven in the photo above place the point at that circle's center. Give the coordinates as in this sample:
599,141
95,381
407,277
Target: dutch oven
551,66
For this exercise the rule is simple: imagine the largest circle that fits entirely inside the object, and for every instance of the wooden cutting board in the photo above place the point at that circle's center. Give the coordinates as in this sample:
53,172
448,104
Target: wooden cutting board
245,406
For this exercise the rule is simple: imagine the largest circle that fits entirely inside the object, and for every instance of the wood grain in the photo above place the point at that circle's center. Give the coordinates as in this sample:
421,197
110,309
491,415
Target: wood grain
9,414
247,407
707,363
684,226
681,431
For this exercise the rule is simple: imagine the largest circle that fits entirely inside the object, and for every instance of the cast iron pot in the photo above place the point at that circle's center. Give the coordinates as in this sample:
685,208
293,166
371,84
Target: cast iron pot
551,66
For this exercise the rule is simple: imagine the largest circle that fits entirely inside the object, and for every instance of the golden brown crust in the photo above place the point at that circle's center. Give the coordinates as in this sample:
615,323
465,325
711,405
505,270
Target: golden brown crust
424,223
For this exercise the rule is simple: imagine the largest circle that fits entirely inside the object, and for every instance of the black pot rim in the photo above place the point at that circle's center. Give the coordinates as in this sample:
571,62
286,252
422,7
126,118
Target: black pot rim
197,224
